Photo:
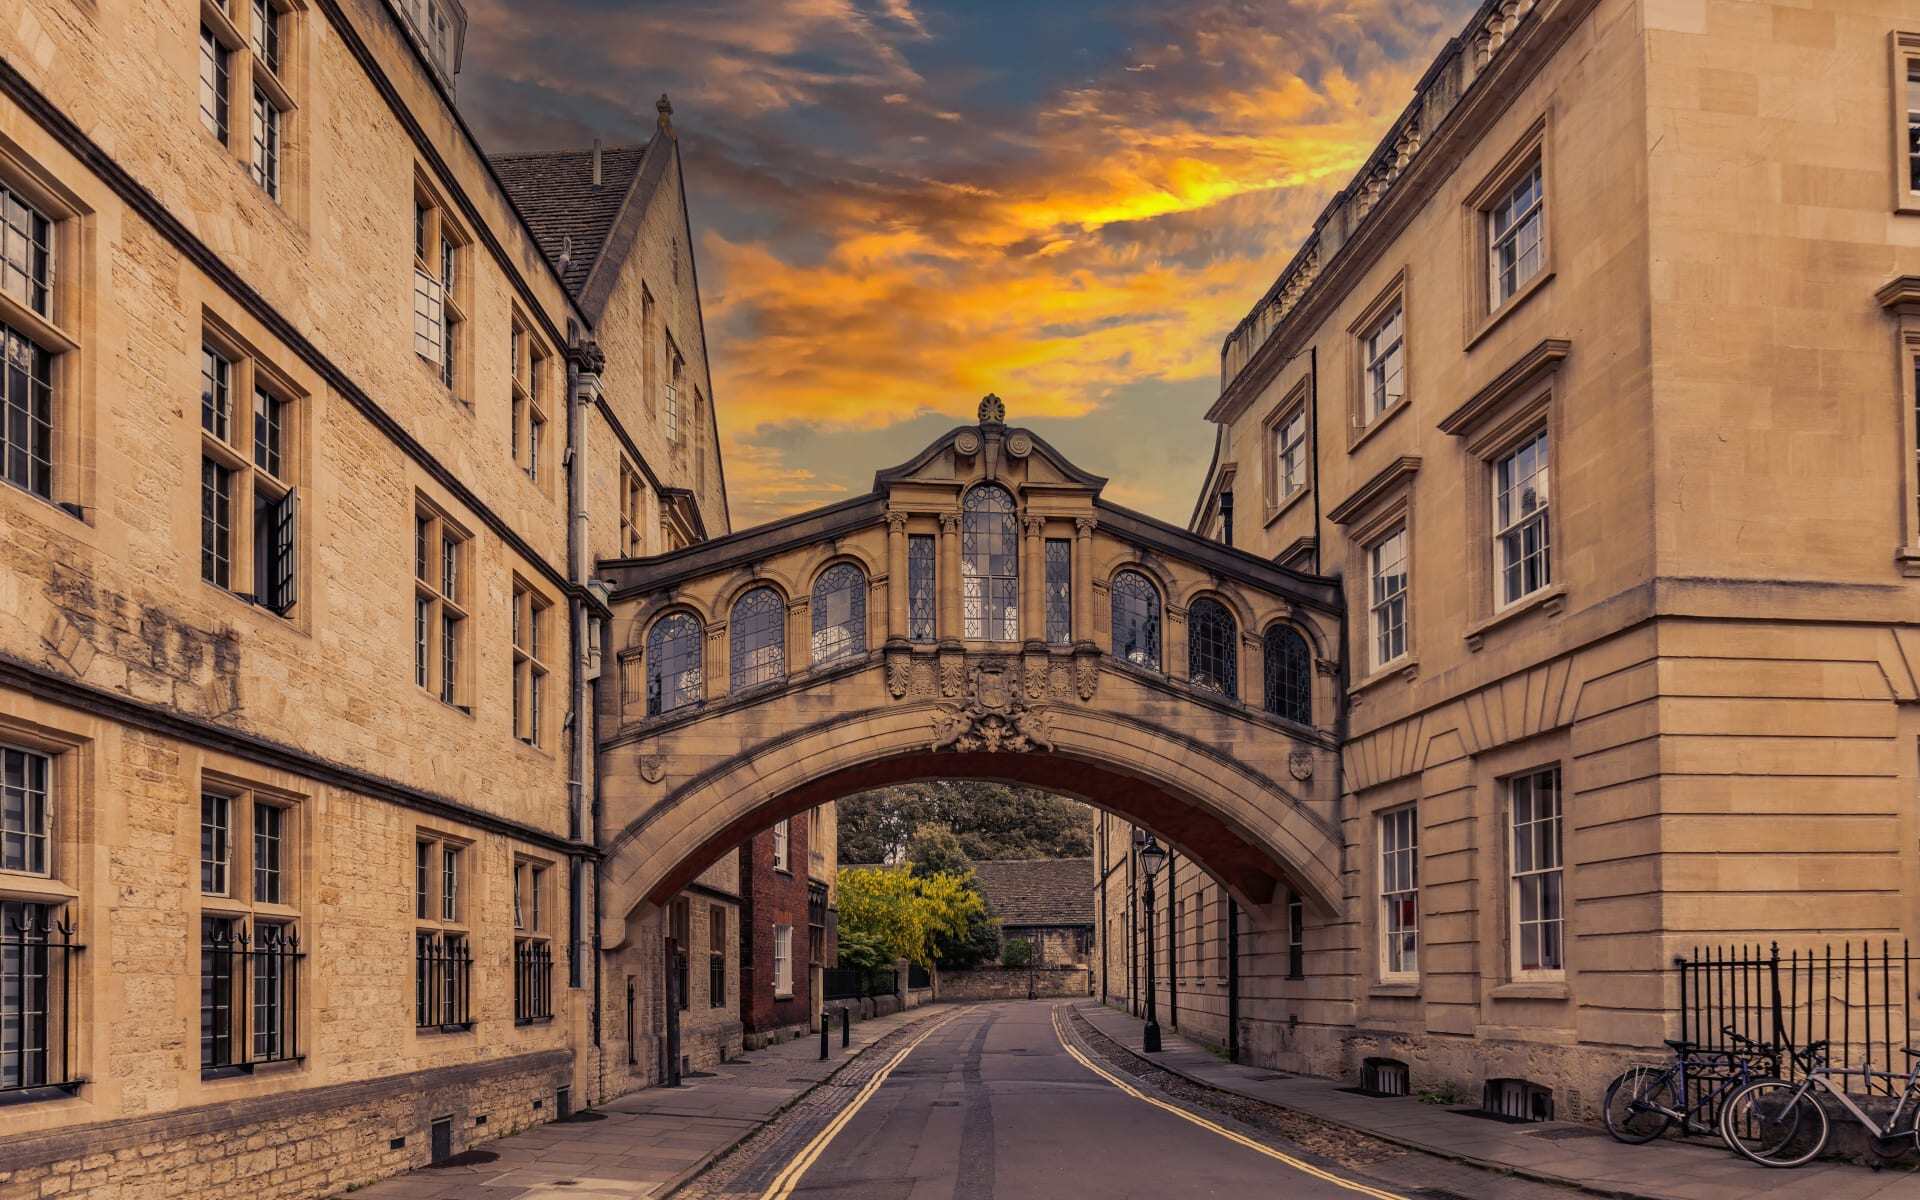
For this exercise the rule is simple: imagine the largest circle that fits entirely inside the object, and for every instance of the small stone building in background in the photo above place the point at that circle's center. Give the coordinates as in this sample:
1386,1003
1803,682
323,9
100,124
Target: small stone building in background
1047,902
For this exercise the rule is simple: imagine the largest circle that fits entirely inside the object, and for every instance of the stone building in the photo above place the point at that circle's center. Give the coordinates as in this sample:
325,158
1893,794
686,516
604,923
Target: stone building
1045,902
316,421
1667,256
787,924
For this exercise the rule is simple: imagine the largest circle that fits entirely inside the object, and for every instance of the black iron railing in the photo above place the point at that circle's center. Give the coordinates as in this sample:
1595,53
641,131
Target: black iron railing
1857,997
532,982
37,1033
443,981
249,994
918,976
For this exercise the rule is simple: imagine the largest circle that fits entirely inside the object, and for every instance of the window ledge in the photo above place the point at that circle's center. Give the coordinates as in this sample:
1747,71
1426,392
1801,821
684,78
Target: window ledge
230,1071
1907,558
1512,304
523,1022
1407,667
437,1029
36,1095
1532,989
1550,599
1402,991
1360,435
1276,511
18,885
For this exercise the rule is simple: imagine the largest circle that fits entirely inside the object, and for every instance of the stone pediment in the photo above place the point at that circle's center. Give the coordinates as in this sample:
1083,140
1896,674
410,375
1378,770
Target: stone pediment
989,449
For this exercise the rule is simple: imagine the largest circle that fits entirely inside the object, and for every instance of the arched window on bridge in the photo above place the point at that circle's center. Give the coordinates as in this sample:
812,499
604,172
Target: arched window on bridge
990,565
757,634
1136,619
1289,674
1213,647
839,613
673,663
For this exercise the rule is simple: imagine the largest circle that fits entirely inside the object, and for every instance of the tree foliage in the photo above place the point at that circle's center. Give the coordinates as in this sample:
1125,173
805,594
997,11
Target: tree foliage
900,914
1018,953
990,820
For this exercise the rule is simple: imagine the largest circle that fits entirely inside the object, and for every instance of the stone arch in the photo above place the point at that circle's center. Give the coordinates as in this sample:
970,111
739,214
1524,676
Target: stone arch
644,620
747,581
826,555
1248,830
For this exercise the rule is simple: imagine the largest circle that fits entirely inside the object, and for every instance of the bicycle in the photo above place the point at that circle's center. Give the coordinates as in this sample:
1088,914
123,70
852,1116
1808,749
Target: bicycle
1645,1101
1780,1124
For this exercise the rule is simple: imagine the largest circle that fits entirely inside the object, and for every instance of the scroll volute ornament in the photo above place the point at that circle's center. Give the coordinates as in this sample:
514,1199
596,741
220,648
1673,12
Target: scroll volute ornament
995,716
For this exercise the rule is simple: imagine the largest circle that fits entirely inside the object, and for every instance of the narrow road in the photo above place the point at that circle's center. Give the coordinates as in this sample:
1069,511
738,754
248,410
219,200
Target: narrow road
991,1105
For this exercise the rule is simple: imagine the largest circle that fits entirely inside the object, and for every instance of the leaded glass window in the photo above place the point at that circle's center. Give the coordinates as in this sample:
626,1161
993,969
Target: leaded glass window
839,613
920,594
673,663
1059,591
758,636
1213,648
1136,619
990,565
1289,675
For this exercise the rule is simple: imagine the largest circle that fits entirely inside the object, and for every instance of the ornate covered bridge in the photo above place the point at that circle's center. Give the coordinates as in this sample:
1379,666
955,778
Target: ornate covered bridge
982,613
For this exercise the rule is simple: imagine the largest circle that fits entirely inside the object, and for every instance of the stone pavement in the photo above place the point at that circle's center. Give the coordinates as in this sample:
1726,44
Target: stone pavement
649,1141
1578,1155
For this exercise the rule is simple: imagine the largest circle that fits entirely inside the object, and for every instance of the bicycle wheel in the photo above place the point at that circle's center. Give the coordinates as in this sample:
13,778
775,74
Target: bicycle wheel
1774,1124
1634,1103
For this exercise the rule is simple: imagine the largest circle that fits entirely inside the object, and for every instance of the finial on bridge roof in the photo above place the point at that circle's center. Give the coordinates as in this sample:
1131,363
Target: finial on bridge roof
993,410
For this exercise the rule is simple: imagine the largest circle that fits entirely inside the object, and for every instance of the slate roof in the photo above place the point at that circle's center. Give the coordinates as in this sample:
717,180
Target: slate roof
554,191
1045,891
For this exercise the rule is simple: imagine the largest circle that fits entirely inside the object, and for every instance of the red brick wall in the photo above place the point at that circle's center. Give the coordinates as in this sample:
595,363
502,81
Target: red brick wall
773,897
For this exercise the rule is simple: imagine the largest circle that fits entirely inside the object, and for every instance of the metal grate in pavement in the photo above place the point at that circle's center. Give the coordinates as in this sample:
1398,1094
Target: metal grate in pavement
1565,1132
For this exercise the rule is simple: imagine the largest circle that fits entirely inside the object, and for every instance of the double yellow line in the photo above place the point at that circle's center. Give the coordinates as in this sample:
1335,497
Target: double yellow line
1305,1168
789,1178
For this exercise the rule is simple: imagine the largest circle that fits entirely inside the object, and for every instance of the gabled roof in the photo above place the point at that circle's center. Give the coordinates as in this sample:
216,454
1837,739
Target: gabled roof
1039,891
570,215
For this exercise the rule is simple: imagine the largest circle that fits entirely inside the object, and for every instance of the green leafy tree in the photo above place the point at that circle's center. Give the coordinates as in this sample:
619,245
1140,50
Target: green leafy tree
1018,953
936,850
991,821
901,914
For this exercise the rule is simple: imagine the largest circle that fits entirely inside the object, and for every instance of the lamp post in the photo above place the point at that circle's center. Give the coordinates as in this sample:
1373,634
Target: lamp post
1153,856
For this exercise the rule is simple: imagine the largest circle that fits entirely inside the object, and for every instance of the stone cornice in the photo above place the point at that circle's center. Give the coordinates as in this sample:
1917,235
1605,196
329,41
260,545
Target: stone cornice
1364,497
1900,295
113,706
1362,219
1524,372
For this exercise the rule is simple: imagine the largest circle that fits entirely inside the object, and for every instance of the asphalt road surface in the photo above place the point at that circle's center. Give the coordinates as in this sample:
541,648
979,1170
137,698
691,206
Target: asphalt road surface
991,1105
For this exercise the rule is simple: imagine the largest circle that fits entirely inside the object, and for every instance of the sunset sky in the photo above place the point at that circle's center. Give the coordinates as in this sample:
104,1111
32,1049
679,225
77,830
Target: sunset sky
899,206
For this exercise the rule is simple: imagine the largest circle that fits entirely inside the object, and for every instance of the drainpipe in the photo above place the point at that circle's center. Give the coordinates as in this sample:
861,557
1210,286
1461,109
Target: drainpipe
584,364
1173,942
1313,417
1233,980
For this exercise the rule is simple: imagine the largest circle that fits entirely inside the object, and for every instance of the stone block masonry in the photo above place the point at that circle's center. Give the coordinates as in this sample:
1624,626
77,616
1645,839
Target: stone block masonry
308,1143
1016,983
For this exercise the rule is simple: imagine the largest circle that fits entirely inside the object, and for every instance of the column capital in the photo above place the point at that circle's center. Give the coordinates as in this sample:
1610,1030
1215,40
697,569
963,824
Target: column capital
949,522
1034,526
1084,526
896,522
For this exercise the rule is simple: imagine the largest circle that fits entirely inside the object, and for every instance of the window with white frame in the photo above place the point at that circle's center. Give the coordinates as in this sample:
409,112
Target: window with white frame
31,340
532,944
531,368
440,568
530,644
1387,596
782,961
39,1042
1383,363
1400,893
243,49
1516,235
670,422
1522,551
1538,903
1289,438
443,958
1906,82
250,953
781,833
439,288
249,501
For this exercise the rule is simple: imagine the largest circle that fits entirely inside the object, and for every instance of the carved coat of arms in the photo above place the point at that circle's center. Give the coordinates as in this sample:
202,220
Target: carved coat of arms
995,715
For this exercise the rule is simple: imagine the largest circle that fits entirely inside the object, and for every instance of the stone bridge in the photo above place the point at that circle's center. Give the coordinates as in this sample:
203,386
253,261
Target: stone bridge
983,613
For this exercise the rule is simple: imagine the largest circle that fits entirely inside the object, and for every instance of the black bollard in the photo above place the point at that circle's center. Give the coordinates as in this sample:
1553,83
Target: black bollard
823,1041
846,1027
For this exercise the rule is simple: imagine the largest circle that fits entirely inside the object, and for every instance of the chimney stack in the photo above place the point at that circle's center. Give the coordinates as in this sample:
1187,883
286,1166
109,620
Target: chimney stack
596,162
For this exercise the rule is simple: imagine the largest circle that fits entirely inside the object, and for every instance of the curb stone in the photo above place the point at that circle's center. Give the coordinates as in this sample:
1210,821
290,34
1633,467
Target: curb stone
693,1171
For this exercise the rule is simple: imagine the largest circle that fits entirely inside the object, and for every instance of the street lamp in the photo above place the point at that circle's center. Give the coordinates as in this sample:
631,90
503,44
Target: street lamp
1152,857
